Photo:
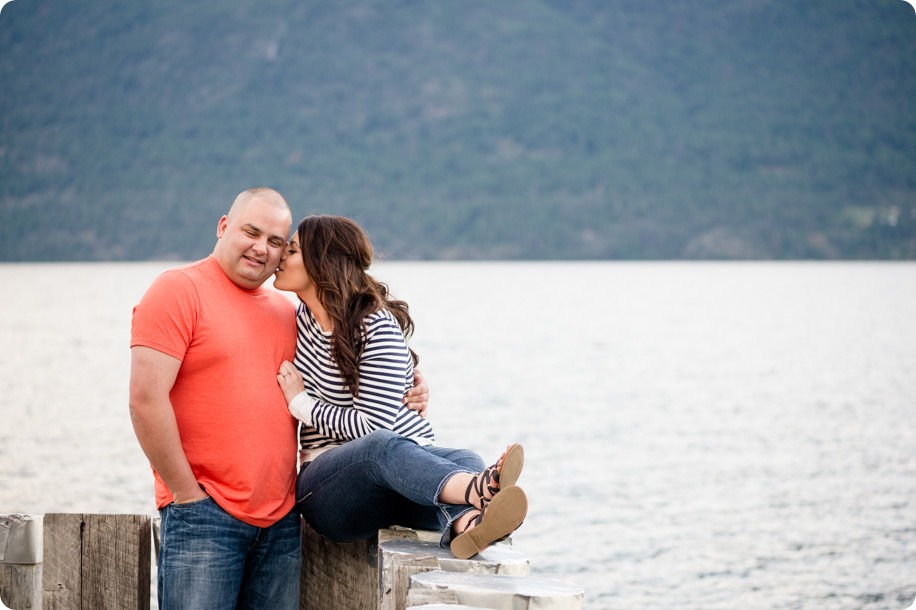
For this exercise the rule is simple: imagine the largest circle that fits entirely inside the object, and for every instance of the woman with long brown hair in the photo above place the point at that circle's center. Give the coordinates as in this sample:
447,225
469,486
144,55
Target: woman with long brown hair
368,462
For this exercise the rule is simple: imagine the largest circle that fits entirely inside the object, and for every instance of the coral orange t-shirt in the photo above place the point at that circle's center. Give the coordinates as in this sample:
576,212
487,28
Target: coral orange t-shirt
232,417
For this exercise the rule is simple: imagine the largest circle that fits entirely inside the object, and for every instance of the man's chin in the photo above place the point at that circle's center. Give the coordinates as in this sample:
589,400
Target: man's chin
255,277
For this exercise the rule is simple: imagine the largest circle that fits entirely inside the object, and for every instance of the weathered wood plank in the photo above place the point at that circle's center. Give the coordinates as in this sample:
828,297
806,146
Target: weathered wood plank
20,586
97,562
449,606
424,597
116,568
20,561
496,559
395,571
403,555
502,592
336,576
62,560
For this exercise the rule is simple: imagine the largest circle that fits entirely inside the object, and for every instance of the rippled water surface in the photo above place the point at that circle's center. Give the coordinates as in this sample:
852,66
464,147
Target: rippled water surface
698,435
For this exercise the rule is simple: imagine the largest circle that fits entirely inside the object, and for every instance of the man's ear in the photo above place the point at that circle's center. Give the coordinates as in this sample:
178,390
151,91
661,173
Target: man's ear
221,226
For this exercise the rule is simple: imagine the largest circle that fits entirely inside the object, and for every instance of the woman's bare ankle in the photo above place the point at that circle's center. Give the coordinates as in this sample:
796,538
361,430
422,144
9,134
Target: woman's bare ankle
463,523
454,488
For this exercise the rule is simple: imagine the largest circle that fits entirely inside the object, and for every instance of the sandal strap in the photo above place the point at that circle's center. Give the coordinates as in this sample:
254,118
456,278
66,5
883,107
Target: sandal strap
475,521
486,481
481,483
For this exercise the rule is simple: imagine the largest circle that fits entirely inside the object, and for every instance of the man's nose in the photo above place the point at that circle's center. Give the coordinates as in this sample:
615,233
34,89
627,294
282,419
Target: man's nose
260,245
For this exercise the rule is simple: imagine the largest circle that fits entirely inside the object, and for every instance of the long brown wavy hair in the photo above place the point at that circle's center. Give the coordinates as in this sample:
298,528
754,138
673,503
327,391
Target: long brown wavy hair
336,253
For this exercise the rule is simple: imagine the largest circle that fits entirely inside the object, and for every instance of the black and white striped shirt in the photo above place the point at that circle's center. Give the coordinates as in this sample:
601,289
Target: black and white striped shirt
385,374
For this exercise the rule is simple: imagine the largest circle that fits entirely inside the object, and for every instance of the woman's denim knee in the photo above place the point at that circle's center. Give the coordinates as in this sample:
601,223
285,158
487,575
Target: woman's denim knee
378,442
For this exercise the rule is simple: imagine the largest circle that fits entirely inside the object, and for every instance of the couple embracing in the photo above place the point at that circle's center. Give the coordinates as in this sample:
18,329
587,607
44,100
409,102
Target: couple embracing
224,371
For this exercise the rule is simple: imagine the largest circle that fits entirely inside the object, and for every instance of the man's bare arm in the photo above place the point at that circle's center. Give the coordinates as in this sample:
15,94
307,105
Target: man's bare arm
152,375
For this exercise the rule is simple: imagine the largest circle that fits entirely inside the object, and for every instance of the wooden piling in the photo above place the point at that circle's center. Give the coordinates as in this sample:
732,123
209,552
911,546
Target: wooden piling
337,575
96,562
20,561
499,592
101,562
395,569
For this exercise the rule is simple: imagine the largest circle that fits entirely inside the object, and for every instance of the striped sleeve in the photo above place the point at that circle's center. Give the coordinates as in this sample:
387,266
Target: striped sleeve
384,368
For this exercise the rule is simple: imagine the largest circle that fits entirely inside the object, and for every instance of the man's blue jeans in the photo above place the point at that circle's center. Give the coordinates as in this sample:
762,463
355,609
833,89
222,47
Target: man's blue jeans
208,559
379,480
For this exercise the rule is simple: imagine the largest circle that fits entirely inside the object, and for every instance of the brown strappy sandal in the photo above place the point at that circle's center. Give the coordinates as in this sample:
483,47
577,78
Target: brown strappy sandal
498,518
504,473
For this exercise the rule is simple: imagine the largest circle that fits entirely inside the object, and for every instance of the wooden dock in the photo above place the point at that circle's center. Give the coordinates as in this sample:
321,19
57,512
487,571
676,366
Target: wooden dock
101,562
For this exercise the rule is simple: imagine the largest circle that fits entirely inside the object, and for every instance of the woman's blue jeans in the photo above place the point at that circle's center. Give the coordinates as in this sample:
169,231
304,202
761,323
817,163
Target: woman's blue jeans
210,560
378,480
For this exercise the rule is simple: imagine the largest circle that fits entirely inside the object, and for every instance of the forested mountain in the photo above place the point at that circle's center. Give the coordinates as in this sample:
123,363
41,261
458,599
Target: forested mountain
537,129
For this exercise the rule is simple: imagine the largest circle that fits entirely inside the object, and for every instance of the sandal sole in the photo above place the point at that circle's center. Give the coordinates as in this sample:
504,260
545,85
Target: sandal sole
512,466
504,514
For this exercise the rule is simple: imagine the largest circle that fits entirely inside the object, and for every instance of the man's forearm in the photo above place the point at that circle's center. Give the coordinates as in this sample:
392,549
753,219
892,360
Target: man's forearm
156,430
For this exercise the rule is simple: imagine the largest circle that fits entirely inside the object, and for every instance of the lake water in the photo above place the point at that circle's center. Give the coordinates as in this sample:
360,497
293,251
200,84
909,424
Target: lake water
698,435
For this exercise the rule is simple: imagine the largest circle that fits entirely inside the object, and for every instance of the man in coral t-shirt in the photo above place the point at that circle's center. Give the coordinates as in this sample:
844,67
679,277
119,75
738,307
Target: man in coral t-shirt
207,340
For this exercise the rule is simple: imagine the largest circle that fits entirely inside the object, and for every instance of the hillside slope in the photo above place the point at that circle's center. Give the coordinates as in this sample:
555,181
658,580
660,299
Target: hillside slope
543,129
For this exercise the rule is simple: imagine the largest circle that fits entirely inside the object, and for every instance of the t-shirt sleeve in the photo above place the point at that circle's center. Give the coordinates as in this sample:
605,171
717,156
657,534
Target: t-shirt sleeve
166,316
